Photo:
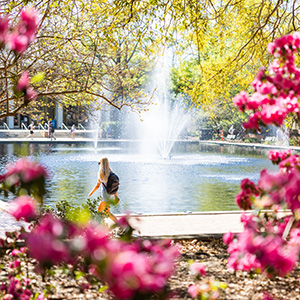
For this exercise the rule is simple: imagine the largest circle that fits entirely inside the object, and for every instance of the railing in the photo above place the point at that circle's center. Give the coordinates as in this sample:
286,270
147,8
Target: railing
5,125
80,126
24,126
46,125
64,126
41,126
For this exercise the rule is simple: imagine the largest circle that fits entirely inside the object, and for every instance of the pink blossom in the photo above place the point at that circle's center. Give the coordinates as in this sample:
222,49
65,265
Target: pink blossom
259,78
28,23
52,226
15,264
54,250
193,290
198,269
48,236
273,114
126,273
249,186
294,237
228,238
26,169
271,48
23,207
21,36
246,196
263,245
23,82
244,200
138,267
23,250
4,26
241,100
257,100
271,182
253,121
290,163
15,252
267,88
30,94
17,43
94,237
124,221
292,191
277,156
266,296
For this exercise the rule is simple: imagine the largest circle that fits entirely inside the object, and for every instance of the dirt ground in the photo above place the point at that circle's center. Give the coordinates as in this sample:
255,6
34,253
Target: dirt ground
211,252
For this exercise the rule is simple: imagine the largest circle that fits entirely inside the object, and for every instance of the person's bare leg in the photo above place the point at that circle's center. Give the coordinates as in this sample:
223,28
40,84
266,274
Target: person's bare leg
104,207
112,217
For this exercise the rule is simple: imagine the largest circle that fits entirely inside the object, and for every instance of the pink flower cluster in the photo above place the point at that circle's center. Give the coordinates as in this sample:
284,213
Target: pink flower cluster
276,156
269,243
45,242
19,38
139,268
273,190
197,269
129,269
281,189
24,175
23,86
18,287
24,170
23,207
207,288
245,197
275,94
261,252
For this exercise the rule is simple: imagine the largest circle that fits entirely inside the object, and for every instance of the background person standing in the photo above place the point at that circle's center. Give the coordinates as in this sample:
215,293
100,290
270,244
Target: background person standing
73,132
31,132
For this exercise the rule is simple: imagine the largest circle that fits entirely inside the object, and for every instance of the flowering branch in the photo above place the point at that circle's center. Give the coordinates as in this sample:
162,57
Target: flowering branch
270,243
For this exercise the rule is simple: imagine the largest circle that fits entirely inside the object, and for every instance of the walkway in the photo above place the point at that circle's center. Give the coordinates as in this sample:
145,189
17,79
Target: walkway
198,225
192,225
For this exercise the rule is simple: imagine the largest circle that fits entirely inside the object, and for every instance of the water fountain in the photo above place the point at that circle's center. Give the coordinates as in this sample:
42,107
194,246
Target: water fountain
282,136
165,120
95,119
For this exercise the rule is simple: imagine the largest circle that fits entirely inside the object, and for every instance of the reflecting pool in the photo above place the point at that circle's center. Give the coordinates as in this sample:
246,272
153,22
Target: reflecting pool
197,177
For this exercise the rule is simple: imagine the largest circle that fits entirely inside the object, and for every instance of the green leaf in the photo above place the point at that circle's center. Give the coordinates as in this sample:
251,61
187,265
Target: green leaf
79,215
102,289
37,78
79,274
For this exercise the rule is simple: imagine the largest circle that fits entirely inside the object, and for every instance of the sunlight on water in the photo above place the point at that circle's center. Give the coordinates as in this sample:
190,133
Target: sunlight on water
202,178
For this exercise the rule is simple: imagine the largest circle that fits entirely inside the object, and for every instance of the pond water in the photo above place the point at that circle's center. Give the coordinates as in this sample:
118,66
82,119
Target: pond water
197,177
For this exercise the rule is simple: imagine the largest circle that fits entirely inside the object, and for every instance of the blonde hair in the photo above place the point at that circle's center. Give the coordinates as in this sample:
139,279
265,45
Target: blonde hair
104,169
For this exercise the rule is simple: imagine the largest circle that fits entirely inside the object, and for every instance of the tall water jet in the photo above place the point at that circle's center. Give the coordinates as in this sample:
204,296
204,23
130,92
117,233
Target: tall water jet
95,119
282,136
166,118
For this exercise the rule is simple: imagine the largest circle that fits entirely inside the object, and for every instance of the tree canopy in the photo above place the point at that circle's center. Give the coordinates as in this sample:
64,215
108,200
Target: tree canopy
102,51
88,52
225,43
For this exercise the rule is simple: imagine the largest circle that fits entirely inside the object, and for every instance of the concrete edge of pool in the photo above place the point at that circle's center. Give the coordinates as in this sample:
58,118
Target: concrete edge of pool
79,140
198,225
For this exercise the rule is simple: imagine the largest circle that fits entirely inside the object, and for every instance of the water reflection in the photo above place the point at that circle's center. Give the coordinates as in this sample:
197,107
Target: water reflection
197,178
